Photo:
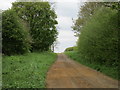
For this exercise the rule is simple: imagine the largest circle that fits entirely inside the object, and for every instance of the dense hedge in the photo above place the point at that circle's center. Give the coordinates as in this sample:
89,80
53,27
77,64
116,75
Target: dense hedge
98,41
14,37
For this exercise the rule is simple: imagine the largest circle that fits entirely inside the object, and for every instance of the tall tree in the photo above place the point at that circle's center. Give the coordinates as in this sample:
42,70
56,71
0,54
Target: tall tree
87,10
1,48
98,41
41,19
14,37
84,14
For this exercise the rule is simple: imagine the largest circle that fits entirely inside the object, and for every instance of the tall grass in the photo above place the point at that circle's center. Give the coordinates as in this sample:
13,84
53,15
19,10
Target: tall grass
26,71
107,70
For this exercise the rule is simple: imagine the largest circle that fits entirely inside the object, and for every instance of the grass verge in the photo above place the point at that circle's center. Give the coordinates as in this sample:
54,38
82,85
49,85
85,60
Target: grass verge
26,71
109,71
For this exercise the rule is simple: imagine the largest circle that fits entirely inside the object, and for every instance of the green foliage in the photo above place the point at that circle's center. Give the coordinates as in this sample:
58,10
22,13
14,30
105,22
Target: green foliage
107,70
26,71
41,19
98,41
71,49
112,5
0,48
14,37
87,11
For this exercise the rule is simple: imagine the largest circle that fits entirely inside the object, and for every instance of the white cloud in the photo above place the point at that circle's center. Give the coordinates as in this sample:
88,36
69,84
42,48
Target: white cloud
64,22
65,12
66,36
67,8
66,39
5,4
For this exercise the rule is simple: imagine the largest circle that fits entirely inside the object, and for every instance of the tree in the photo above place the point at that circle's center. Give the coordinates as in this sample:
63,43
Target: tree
87,11
0,31
42,20
14,37
98,41
84,14
74,48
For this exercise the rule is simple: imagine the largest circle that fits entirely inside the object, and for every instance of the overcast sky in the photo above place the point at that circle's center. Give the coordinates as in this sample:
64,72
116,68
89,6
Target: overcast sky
65,10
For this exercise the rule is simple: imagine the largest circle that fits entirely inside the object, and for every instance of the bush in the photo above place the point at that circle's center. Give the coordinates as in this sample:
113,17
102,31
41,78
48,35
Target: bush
98,40
14,37
0,32
70,49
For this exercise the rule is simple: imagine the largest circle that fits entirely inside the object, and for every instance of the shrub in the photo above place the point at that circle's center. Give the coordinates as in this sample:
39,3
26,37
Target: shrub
14,37
98,40
0,31
70,49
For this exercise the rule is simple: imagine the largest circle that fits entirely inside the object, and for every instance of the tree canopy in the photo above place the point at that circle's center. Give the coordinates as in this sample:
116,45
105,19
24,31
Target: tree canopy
87,11
98,41
41,19
29,26
14,37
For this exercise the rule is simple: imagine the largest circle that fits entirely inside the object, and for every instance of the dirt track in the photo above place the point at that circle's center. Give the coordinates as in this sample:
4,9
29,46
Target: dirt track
66,73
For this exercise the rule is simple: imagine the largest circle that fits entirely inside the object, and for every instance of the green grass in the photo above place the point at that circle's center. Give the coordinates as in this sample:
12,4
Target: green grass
109,71
26,71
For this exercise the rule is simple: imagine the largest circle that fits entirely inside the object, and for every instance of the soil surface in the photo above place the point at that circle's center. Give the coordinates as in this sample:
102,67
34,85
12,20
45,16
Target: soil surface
66,73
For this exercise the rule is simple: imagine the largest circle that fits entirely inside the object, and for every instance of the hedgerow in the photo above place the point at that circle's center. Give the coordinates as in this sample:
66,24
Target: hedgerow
14,37
98,41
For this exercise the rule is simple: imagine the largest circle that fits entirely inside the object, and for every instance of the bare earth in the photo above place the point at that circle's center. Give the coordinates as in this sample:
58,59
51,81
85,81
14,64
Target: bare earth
66,73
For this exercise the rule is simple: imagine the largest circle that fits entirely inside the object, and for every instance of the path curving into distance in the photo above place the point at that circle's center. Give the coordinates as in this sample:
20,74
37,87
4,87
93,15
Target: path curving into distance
66,73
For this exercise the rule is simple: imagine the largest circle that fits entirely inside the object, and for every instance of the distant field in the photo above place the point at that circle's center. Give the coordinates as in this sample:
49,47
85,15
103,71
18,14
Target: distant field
109,71
26,71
